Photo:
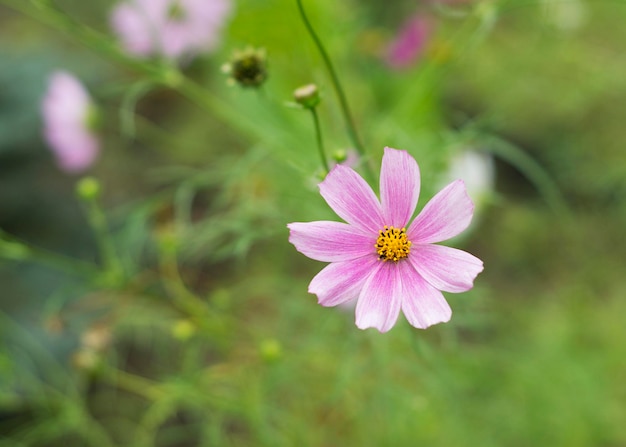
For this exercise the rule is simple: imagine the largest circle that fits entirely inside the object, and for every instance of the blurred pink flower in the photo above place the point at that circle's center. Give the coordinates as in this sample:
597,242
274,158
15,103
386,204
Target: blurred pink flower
67,110
171,28
376,259
409,43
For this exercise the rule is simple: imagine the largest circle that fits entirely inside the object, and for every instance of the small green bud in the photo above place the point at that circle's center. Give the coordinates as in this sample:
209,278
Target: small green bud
320,175
247,68
307,96
87,360
270,350
97,338
88,188
340,155
183,329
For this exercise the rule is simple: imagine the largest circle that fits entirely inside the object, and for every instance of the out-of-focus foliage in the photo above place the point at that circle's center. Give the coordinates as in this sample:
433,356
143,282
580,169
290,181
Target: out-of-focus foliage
172,311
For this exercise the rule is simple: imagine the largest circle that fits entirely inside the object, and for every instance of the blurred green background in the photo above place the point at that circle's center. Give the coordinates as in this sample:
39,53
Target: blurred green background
205,334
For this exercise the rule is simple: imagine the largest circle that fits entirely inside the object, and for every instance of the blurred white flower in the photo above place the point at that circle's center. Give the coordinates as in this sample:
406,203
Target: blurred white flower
68,114
477,170
174,29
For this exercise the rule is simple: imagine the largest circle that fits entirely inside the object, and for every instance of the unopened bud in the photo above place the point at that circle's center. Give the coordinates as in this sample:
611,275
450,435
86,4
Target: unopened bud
270,350
88,188
97,338
183,330
340,155
86,359
248,67
307,96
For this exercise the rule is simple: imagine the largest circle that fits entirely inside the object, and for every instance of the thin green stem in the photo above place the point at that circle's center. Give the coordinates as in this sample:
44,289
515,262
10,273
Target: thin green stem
99,225
135,384
343,102
533,171
320,142
14,249
129,103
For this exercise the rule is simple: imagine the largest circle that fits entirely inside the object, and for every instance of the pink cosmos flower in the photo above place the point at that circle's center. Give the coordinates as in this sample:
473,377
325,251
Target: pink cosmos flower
378,257
410,42
66,110
171,28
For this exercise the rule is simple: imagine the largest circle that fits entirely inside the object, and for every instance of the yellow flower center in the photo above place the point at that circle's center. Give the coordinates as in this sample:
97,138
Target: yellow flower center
392,244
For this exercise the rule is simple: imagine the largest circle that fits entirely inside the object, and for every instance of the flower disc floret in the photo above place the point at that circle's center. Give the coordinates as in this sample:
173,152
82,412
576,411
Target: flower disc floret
392,244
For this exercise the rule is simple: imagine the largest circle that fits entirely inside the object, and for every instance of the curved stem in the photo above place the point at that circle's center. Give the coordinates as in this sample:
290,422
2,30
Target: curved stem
343,102
320,143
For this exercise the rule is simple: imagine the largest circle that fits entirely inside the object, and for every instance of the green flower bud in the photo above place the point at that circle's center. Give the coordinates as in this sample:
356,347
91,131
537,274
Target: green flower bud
270,350
88,188
340,155
247,68
307,96
183,329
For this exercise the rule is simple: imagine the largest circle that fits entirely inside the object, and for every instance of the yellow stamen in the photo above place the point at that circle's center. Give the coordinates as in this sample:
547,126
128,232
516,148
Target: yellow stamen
392,244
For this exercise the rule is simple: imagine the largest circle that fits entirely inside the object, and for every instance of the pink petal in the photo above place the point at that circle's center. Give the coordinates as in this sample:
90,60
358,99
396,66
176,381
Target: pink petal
134,29
352,199
444,216
399,187
446,268
422,304
330,241
381,298
340,282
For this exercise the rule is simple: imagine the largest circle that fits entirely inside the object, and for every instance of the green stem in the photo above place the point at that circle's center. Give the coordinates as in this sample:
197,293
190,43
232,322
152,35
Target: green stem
98,222
129,103
14,249
320,143
531,169
343,102
135,384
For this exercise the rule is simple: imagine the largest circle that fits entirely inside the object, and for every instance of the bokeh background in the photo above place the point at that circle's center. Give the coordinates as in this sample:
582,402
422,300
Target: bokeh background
205,334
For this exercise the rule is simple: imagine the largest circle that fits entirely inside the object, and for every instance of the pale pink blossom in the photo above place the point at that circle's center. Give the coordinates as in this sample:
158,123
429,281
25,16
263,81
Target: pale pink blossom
67,111
410,42
174,29
477,169
379,258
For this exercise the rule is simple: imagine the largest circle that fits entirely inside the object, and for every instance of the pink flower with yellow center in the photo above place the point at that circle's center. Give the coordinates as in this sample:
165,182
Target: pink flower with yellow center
378,257
68,114
169,28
